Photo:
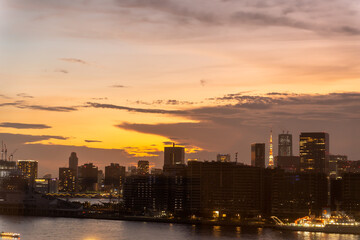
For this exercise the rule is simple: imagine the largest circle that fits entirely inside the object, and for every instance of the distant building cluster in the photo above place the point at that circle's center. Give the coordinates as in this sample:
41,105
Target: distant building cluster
223,189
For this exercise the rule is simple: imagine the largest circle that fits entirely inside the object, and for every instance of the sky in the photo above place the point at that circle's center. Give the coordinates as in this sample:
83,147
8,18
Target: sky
117,80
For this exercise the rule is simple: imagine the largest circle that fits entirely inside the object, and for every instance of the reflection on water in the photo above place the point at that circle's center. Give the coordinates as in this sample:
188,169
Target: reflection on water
41,228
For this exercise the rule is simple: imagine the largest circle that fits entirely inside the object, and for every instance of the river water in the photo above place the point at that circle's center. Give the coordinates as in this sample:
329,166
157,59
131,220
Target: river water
43,228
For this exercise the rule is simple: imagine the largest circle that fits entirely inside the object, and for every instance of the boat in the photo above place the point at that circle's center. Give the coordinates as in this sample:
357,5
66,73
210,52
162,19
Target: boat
9,235
339,223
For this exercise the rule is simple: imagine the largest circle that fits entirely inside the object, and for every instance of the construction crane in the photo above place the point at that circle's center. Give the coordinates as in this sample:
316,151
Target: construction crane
11,156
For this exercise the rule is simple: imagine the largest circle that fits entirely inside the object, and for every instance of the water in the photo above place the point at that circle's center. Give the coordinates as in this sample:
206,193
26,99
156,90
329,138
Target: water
42,228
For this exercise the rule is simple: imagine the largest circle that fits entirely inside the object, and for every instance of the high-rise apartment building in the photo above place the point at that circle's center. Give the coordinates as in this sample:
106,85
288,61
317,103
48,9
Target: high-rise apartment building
67,180
28,168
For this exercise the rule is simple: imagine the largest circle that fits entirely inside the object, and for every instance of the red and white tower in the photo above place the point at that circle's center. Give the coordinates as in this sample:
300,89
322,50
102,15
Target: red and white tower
271,156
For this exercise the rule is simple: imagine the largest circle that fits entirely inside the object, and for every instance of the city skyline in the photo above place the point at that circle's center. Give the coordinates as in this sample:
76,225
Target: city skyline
115,80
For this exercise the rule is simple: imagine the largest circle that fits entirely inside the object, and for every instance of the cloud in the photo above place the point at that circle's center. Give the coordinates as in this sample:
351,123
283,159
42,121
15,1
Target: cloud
203,82
23,125
100,98
61,71
10,138
24,95
167,102
4,96
237,120
92,141
73,60
118,86
257,18
48,108
24,105
130,109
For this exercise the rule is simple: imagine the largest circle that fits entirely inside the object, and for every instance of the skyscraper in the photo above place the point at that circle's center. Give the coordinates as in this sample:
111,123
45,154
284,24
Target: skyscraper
174,156
258,155
143,167
73,163
89,177
28,168
314,152
285,145
114,175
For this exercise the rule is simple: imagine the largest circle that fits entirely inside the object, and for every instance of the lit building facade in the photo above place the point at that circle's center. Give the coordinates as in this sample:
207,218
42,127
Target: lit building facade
223,158
285,145
314,152
46,185
143,167
28,168
67,180
333,165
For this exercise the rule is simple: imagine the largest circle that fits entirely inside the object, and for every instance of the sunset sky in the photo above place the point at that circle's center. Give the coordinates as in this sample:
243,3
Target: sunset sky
116,80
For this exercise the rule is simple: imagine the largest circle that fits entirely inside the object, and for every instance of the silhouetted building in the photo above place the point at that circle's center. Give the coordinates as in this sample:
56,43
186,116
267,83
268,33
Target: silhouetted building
14,182
28,168
114,176
73,163
347,166
223,158
285,145
224,189
131,170
258,155
288,163
88,177
174,156
67,180
156,171
293,195
351,193
143,167
146,194
333,165
314,152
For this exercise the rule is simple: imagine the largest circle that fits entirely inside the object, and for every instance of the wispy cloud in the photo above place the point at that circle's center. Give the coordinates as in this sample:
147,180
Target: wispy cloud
73,60
61,71
118,86
25,105
130,109
48,108
24,95
203,82
23,125
92,141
